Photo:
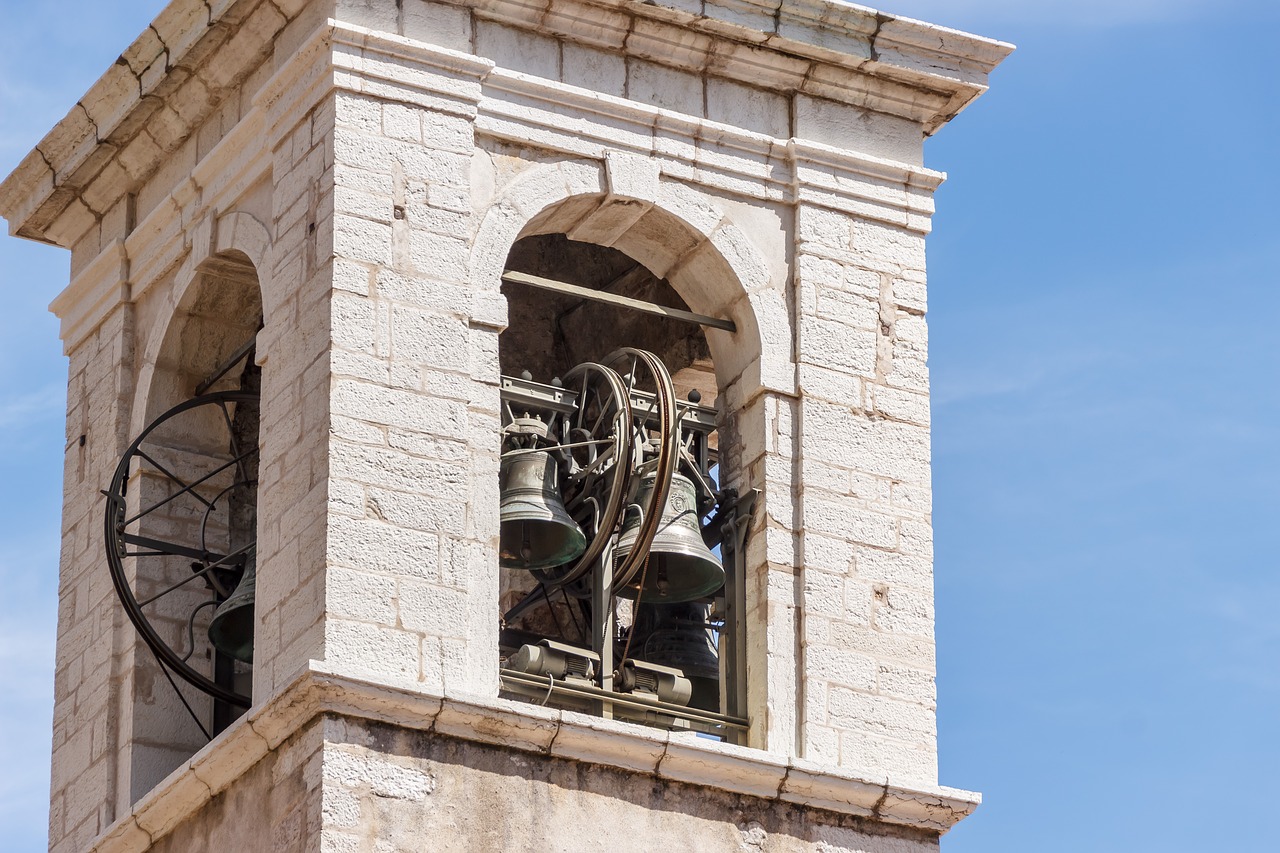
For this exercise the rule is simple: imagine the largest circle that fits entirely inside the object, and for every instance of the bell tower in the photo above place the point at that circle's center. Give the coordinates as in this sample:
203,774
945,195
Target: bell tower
499,423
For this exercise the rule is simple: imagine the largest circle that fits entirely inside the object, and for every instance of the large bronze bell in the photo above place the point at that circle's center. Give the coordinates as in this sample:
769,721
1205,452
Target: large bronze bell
676,635
535,531
681,566
231,629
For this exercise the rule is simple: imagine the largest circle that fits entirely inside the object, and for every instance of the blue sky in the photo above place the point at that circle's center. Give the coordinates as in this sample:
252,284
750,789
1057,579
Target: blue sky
1103,295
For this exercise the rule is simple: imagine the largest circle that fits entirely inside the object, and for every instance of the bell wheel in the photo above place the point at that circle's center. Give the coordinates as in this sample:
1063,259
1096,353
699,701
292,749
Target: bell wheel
654,453
598,448
179,529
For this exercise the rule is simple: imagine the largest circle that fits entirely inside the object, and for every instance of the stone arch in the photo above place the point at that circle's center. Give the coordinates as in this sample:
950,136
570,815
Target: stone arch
236,248
211,308
677,232
696,243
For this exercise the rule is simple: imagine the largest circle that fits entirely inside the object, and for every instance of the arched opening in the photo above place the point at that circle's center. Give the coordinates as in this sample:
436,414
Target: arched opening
667,641
184,525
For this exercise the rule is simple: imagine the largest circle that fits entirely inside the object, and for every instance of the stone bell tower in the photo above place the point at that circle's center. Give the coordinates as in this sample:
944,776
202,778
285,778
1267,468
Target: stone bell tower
499,425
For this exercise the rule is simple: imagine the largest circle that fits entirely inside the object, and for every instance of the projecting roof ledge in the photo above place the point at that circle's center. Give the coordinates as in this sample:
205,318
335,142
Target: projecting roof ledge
321,690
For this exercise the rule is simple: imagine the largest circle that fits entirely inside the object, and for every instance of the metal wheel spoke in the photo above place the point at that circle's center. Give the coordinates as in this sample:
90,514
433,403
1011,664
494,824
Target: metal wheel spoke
235,445
215,472
170,475
170,548
217,565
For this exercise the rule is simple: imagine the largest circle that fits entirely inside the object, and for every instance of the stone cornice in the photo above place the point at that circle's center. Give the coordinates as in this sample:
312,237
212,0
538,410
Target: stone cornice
527,728
825,48
175,73
160,89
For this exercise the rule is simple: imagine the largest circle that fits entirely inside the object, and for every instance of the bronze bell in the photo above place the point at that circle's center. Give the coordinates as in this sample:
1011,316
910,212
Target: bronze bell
535,531
676,635
681,566
231,629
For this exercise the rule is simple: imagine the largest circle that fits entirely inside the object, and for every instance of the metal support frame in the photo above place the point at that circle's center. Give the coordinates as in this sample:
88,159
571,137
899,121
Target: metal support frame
734,531
603,625
223,369
729,527
513,277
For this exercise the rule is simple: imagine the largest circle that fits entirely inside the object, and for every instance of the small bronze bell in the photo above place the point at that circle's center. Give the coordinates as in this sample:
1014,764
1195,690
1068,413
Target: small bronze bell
681,566
676,635
535,531
231,629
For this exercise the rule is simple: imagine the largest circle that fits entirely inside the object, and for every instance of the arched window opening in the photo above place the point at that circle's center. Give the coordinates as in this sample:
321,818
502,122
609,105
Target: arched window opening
619,593
181,527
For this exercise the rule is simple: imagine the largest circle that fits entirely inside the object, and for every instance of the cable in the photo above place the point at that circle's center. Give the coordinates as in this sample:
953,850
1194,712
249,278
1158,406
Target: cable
183,699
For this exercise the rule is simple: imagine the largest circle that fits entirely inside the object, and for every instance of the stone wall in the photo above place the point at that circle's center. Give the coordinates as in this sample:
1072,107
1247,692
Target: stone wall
277,806
392,790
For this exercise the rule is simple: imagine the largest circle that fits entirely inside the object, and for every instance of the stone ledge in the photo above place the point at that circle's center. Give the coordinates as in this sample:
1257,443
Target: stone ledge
851,53
567,735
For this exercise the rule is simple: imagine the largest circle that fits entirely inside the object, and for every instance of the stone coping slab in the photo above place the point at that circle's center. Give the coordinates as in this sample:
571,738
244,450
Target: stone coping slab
319,690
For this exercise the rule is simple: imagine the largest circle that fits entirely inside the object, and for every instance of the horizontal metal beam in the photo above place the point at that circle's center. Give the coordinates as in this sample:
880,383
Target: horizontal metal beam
225,368
511,277
541,687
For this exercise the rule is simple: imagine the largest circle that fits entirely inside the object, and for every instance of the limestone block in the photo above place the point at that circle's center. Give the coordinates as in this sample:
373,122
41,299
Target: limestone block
910,295
430,609
672,45
829,554
362,240
688,760
904,682
375,774
125,836
667,88
813,785
747,107
375,546
892,568
832,595
436,255
373,14
219,766
891,247
906,610
867,131
398,408
598,26
838,518
428,338
598,741
360,596
421,290
517,725
437,23
900,762
170,800
443,132
839,345
593,69
518,50
915,537
831,664
372,650
890,449
906,721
